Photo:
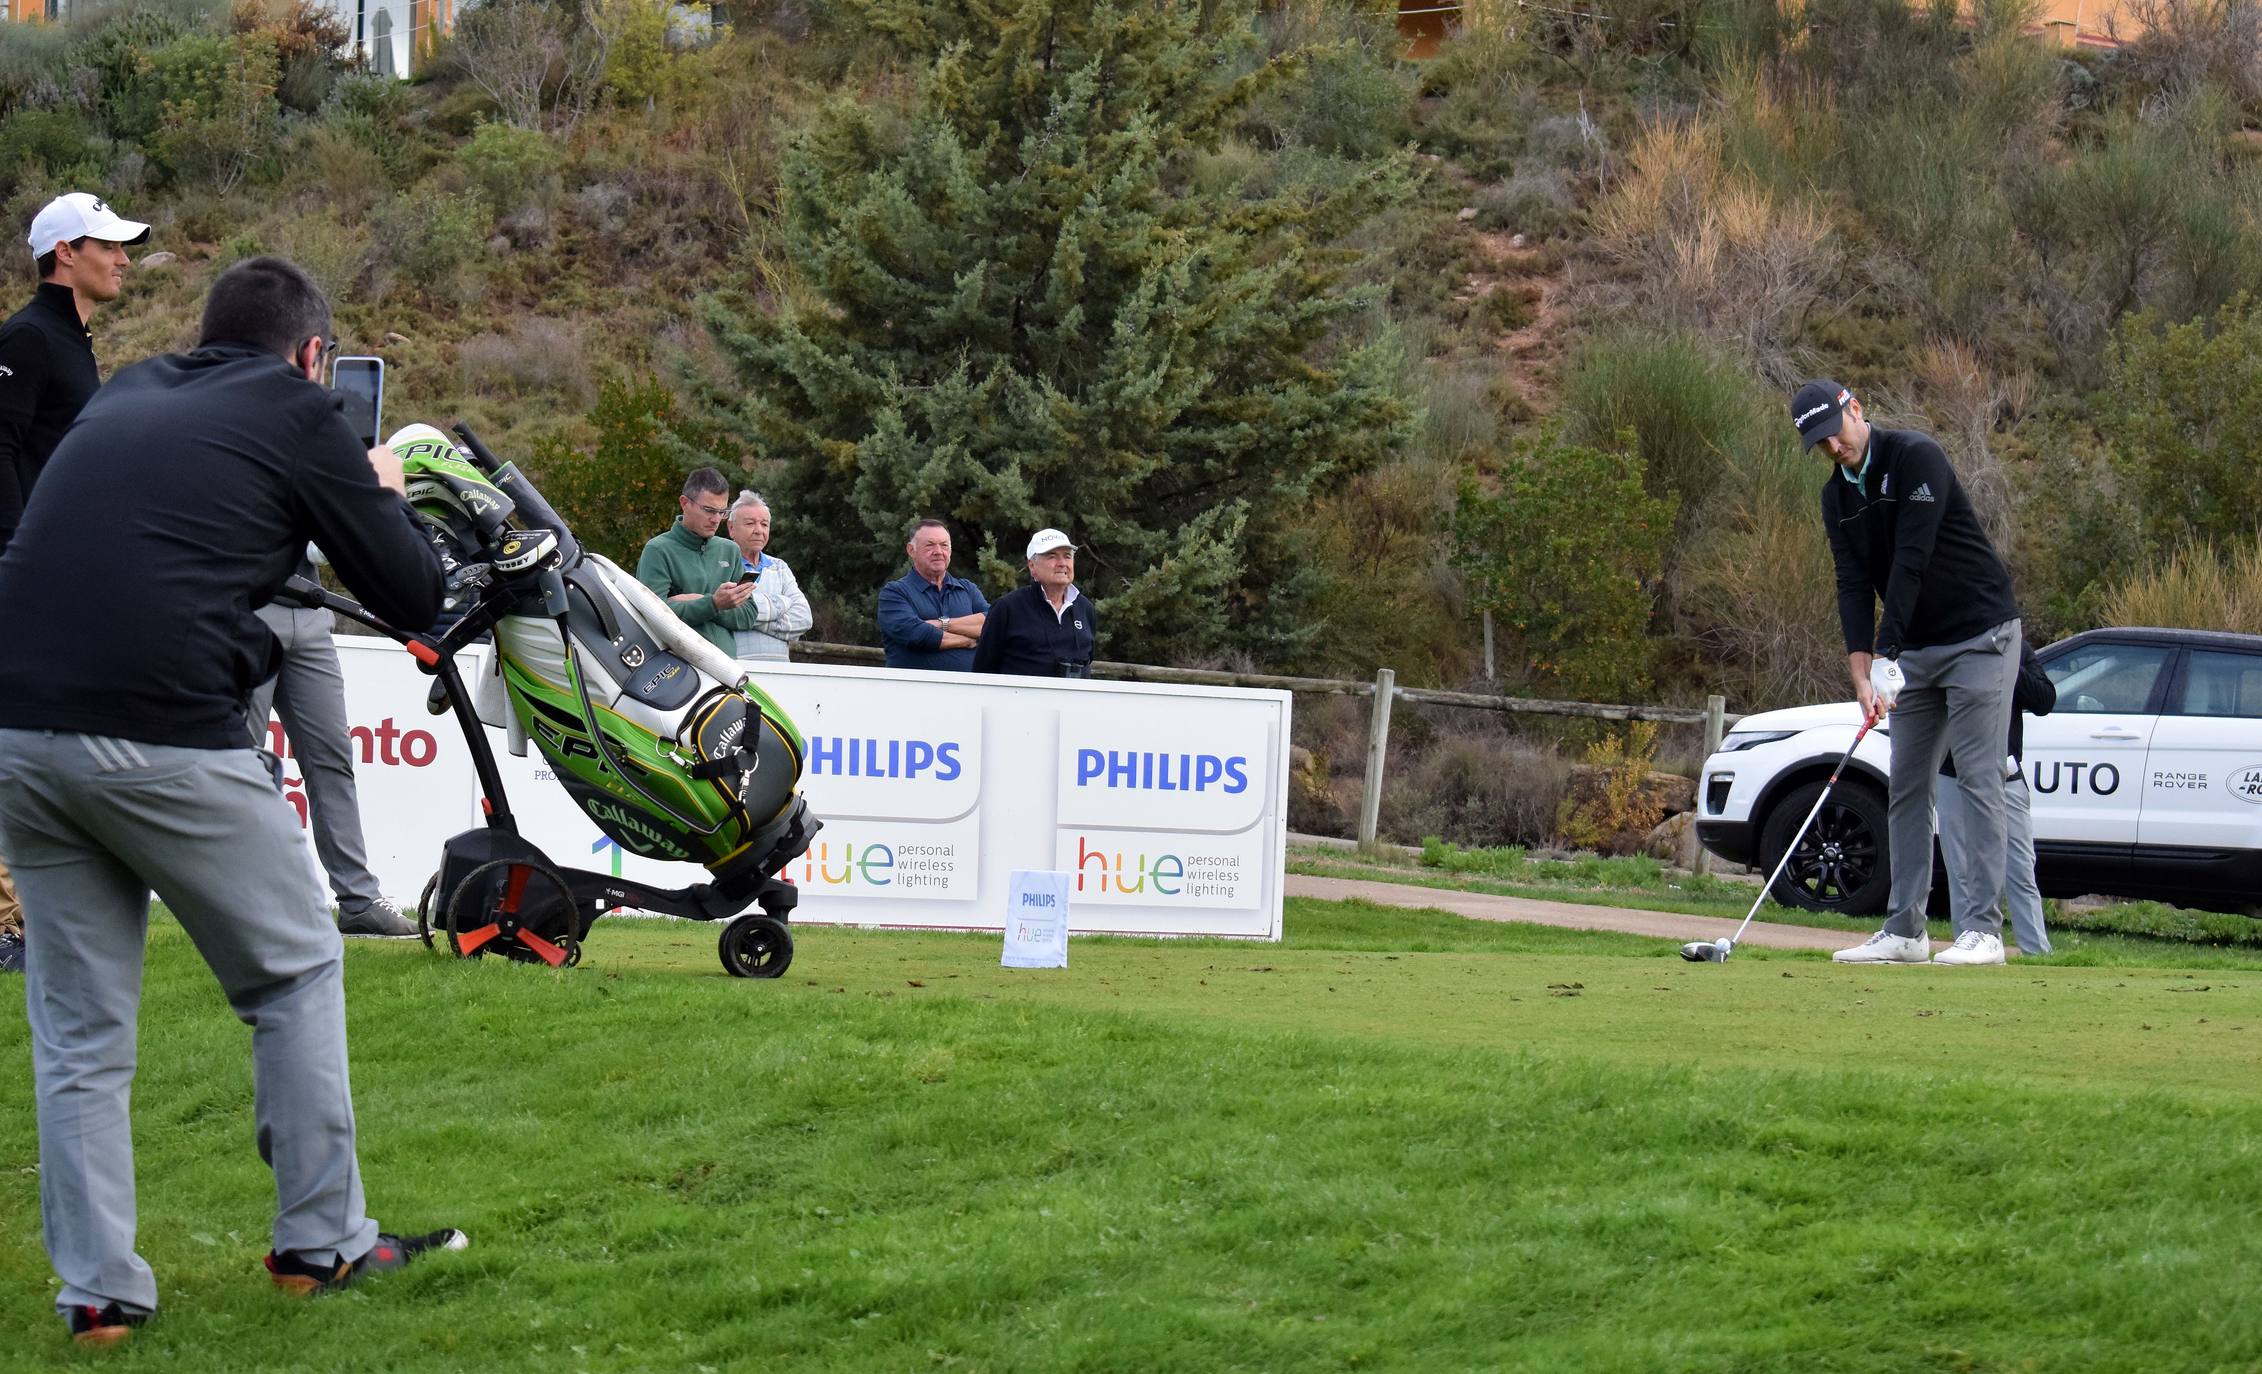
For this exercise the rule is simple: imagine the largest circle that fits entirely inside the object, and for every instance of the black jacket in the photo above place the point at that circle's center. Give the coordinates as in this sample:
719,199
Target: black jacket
178,503
46,377
1022,635
1908,535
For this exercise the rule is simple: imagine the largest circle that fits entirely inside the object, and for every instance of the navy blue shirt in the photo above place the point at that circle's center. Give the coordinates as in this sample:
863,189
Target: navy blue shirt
910,601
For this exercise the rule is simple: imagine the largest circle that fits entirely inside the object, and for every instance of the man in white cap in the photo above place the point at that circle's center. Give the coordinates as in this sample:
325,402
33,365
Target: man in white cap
46,377
1044,629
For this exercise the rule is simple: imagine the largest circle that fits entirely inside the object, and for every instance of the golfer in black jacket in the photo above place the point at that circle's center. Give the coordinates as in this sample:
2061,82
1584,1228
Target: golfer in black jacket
47,373
178,504
1941,657
1046,628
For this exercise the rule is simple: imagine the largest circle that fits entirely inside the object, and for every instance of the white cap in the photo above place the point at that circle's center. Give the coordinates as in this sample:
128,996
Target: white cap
1045,541
81,216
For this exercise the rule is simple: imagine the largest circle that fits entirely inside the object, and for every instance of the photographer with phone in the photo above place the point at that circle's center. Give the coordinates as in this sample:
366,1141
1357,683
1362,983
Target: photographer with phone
124,772
693,568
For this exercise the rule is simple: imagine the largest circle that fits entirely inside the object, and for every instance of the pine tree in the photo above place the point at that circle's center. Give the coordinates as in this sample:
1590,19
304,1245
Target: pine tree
1012,309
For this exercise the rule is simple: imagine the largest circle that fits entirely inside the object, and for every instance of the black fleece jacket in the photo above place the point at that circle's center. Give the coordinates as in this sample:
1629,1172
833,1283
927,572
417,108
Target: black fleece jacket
47,375
176,506
1907,535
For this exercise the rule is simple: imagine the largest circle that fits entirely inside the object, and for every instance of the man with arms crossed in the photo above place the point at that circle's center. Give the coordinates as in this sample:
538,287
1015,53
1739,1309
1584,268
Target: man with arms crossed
928,618
1941,658
125,770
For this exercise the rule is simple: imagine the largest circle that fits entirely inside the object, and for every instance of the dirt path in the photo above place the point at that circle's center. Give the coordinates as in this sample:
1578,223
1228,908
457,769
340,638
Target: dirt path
1483,906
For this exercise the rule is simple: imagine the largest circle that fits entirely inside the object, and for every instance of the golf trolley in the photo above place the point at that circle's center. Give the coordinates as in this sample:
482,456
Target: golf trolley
661,739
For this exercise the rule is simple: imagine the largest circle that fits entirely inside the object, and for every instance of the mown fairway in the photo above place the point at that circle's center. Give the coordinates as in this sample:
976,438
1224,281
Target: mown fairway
1399,1141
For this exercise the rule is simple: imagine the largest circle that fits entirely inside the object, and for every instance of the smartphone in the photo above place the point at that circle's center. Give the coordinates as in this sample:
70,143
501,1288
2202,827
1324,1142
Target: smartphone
361,381
749,575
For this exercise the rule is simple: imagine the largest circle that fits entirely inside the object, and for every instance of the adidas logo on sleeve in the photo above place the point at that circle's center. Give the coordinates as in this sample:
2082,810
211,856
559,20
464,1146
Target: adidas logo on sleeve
1923,492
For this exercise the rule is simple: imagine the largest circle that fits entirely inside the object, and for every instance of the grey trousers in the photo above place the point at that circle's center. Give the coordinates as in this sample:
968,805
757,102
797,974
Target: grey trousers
2022,896
310,695
1958,699
91,827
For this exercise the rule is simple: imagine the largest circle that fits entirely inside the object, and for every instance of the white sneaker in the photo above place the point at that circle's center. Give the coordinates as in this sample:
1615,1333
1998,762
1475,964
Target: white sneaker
1883,948
1972,947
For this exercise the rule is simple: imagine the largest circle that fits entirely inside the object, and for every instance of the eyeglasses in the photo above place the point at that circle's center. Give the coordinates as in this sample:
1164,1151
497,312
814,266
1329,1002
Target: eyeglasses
719,512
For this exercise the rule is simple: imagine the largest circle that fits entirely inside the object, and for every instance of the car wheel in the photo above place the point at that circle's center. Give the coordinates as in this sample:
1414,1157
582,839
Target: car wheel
1841,864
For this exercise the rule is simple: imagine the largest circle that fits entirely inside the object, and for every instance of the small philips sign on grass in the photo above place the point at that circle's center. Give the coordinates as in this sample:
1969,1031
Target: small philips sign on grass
1036,919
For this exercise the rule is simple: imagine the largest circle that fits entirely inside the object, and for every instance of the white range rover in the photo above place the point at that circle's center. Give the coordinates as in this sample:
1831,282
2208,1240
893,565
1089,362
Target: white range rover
2147,780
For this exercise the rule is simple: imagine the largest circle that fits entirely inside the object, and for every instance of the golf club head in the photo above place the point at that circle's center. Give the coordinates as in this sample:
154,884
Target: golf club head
1707,951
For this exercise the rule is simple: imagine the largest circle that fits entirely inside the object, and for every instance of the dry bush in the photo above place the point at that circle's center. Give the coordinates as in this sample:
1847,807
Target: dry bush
1711,250
1964,403
1476,789
1761,589
2179,47
336,253
2198,588
540,357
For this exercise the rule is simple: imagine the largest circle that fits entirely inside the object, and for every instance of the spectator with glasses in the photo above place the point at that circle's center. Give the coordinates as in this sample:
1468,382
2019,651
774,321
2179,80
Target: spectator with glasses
694,568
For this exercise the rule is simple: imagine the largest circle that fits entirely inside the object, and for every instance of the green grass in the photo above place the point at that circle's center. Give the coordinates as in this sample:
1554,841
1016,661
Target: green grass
1397,1141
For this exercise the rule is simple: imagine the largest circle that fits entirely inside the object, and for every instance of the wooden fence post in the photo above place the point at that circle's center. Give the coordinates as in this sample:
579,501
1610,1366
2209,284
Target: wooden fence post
1715,725
1378,746
1488,673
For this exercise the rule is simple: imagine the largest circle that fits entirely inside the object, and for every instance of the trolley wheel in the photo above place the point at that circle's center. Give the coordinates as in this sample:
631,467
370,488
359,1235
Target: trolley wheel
489,906
755,946
425,925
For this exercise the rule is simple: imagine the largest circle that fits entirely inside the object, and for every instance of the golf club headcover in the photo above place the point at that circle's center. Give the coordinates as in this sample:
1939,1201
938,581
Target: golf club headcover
1886,681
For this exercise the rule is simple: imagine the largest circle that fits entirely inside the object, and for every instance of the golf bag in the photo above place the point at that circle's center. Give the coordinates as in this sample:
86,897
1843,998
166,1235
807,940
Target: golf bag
661,739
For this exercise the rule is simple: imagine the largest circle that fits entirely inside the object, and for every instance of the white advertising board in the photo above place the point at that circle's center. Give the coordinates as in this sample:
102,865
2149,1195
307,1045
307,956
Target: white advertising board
1167,804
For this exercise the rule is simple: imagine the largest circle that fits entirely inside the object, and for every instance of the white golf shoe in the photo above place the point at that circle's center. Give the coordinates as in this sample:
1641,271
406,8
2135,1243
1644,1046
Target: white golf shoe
1883,948
1972,947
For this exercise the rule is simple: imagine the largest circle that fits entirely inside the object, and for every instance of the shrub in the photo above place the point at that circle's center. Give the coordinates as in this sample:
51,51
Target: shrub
1713,250
1691,411
2182,411
1567,557
1348,101
1757,584
543,356
1536,203
336,252
2198,588
1386,593
512,167
54,142
1619,814
620,489
1476,789
437,240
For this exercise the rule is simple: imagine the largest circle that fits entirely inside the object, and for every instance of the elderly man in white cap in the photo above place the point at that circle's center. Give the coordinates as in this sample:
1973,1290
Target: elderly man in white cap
47,376
1044,629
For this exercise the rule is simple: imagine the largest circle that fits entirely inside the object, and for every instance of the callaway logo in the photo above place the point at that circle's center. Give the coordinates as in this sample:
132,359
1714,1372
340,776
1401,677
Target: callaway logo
1923,492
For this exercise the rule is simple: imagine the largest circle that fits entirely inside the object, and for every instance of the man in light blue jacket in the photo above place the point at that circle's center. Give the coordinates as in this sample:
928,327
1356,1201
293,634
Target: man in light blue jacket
778,611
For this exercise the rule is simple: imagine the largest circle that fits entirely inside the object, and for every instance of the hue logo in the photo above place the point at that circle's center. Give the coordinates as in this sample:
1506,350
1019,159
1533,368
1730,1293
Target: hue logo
1105,871
1148,772
883,758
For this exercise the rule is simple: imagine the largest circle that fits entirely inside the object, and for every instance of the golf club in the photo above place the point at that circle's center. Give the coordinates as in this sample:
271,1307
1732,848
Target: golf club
1717,951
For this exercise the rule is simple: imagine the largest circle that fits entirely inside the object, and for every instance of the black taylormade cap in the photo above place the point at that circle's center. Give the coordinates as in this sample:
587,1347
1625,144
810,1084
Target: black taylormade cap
1818,409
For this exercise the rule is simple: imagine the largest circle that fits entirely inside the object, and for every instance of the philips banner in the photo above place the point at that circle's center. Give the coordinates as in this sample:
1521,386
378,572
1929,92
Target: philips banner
1167,805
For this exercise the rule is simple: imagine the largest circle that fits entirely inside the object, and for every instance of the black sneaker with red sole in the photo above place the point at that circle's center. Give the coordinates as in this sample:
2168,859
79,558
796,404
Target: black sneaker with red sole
102,1325
295,1275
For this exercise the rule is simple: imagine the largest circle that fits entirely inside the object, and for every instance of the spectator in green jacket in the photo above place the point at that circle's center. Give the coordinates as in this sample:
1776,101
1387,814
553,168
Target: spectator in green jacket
694,569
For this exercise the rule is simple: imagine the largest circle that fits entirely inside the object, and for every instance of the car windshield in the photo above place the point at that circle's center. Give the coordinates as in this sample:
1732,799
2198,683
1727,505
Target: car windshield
2099,678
